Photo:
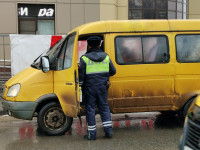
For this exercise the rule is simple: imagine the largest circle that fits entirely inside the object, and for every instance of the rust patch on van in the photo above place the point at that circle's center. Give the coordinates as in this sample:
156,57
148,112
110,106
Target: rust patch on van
180,101
70,110
68,103
69,99
127,93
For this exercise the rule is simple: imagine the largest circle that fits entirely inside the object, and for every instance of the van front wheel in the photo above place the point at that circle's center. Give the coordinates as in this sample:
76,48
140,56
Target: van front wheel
52,120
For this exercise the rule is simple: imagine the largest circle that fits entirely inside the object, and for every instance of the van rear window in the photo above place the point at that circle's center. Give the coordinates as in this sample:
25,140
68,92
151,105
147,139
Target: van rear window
188,48
141,49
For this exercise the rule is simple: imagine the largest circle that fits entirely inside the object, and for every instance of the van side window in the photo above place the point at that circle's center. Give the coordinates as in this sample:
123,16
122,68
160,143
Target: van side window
60,60
143,49
129,50
188,48
69,52
155,49
64,60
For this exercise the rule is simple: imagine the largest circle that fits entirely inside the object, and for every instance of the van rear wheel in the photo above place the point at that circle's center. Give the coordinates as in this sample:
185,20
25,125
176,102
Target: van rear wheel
184,110
52,120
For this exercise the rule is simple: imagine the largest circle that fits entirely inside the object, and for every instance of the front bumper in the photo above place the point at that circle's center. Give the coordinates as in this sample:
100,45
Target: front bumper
21,110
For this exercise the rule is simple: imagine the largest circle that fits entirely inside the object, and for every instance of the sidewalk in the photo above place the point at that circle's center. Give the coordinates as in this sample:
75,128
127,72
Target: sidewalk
2,112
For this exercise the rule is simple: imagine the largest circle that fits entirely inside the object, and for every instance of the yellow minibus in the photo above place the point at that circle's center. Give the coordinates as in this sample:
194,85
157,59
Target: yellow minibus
157,63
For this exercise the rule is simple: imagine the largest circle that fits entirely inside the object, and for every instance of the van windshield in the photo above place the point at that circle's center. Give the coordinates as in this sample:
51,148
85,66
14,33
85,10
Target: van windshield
52,53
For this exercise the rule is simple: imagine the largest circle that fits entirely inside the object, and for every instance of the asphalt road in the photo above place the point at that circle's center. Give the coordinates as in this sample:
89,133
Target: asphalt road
135,131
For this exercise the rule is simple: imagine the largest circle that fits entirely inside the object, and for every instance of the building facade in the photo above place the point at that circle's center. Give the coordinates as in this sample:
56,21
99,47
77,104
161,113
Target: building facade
61,16
194,11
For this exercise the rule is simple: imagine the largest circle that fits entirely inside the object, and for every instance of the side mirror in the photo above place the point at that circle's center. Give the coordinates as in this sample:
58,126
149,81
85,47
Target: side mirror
45,64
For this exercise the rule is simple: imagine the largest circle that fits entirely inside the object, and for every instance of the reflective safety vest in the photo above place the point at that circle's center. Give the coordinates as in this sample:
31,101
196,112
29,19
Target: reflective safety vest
96,67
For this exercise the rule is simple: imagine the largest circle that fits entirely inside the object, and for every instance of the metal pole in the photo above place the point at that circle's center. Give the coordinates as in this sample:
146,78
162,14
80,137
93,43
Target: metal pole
4,59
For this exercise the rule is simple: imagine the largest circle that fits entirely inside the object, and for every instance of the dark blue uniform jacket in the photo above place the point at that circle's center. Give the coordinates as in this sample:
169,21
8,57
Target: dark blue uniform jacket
96,55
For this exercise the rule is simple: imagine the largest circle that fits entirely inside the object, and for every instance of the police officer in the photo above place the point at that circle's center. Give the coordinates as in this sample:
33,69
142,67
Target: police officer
94,71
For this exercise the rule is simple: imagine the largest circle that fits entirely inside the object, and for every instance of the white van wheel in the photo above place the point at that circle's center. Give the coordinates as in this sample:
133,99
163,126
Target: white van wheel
52,120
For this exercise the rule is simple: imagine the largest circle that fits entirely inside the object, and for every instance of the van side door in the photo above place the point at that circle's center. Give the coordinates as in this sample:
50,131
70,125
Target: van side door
145,75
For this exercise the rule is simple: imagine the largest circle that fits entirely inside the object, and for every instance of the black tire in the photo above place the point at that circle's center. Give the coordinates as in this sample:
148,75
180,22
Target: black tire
52,120
184,110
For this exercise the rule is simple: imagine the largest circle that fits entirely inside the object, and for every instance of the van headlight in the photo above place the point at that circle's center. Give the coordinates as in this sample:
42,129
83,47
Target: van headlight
14,90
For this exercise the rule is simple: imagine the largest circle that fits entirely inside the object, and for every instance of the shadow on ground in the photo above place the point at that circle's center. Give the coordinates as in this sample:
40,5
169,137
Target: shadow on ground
168,120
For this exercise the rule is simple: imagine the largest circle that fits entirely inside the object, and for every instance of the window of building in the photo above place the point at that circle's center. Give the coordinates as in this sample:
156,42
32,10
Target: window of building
188,48
144,49
158,9
36,19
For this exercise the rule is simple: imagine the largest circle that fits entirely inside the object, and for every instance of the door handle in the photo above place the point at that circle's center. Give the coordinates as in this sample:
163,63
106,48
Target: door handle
69,83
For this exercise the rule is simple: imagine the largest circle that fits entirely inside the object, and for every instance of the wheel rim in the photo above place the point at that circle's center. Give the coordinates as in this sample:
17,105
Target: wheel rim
54,118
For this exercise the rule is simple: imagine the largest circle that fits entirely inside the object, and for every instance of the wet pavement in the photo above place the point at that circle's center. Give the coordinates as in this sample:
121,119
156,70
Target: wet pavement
139,131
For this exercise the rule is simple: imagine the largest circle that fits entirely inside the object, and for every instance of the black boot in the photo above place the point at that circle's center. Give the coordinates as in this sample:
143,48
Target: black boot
109,136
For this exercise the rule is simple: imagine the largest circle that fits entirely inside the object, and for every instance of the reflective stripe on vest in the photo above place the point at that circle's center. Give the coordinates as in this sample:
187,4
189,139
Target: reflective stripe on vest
96,67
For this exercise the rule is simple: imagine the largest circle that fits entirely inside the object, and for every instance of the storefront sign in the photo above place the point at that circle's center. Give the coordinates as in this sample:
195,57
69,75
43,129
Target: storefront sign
36,10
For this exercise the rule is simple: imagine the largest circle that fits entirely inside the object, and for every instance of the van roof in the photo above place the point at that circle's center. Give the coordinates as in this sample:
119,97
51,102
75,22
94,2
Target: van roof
138,26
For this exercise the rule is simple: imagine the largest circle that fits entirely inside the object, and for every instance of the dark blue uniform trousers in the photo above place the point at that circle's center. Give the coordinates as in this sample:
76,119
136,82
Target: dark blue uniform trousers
97,96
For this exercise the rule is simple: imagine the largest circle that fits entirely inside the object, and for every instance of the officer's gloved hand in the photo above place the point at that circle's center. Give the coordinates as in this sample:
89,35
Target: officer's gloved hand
108,84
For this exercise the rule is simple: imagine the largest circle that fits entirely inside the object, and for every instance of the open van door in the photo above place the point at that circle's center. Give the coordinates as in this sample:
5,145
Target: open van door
66,77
